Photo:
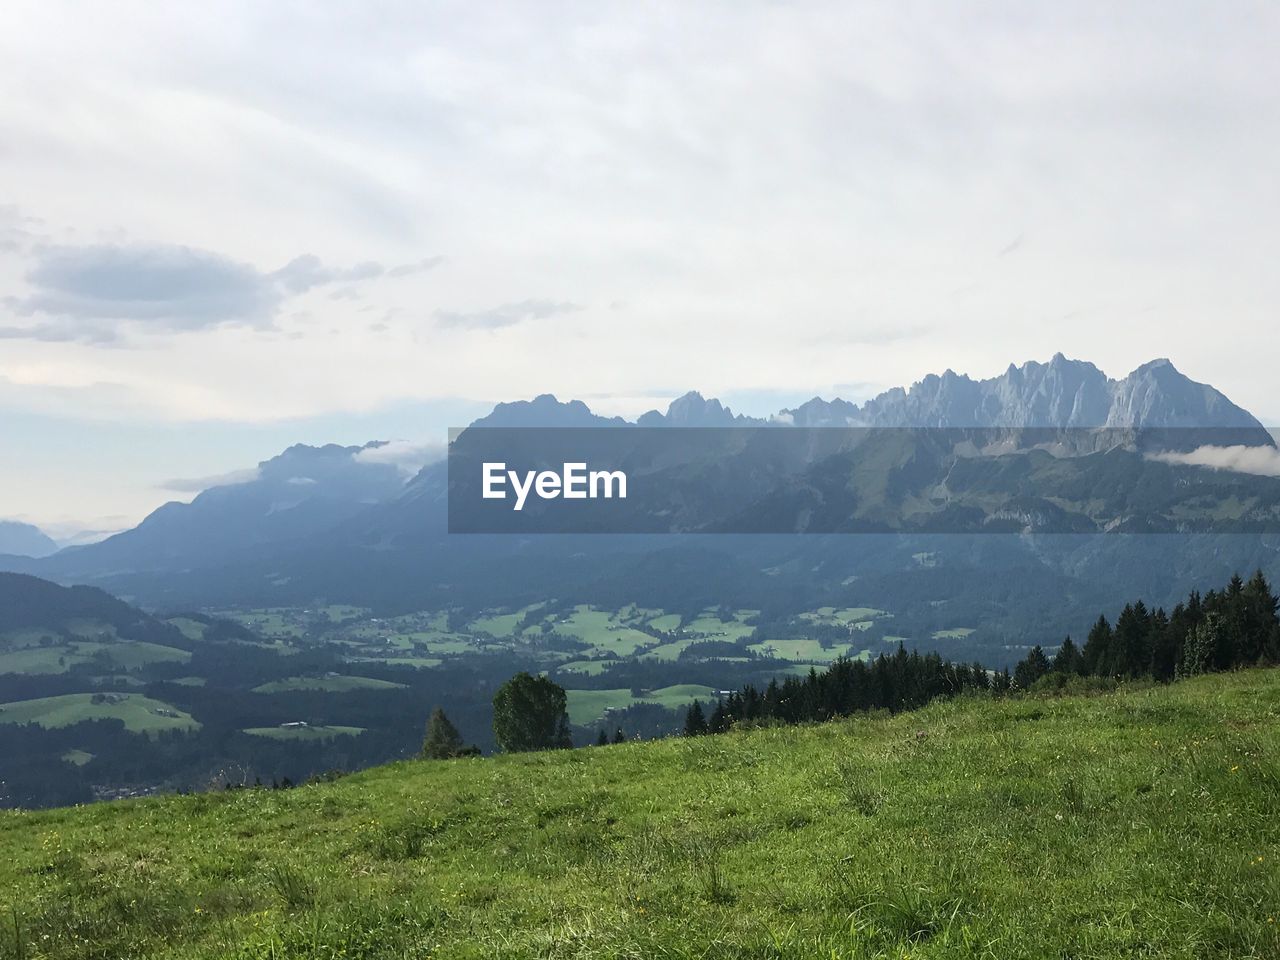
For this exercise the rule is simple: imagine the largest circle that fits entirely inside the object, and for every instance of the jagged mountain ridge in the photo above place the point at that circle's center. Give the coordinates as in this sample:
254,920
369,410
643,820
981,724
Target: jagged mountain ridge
1060,393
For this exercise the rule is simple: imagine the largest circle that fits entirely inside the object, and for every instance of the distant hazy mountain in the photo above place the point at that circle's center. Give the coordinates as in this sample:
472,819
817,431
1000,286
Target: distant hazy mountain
24,540
302,492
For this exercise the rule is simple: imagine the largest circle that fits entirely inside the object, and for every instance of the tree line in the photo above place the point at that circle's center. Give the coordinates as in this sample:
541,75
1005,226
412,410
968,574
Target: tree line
1221,630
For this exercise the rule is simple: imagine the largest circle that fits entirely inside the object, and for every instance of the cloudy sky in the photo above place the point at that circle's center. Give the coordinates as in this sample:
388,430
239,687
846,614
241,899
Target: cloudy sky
225,228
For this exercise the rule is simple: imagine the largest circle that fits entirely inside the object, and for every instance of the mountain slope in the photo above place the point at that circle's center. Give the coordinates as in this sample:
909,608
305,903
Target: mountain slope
24,540
301,492
30,604
1136,823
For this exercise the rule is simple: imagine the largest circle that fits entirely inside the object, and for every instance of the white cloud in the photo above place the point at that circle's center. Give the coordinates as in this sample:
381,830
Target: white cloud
506,315
1261,461
409,456
200,484
742,196
92,293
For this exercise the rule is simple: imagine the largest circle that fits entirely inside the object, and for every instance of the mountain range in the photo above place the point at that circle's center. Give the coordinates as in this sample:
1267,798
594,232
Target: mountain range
339,523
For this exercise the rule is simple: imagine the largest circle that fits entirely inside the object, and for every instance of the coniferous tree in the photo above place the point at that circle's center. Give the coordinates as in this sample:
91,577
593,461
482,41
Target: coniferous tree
695,721
442,739
1035,666
1067,660
1230,634
1095,658
1130,656
1259,619
718,722
1165,645
603,739
1002,682
1202,642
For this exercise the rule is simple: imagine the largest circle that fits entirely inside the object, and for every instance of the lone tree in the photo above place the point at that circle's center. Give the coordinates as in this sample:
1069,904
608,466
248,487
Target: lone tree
529,714
442,740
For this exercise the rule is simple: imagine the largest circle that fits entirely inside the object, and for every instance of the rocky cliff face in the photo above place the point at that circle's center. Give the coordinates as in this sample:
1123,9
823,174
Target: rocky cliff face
1060,393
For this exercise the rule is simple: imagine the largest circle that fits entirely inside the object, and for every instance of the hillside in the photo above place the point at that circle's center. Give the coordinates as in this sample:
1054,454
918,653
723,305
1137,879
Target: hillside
1138,823
32,605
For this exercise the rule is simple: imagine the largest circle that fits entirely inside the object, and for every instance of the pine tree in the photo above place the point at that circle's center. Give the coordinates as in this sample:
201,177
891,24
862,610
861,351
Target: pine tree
1202,642
603,739
1259,607
719,722
1067,660
1166,645
1002,682
1035,666
1096,656
442,740
1130,646
695,721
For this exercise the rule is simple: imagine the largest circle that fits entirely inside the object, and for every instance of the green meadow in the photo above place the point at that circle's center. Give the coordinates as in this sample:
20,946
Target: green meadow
807,651
1138,823
338,683
140,714
318,732
588,706
59,657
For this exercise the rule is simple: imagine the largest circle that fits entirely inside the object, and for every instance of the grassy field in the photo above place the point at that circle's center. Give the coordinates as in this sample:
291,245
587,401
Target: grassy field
334,684
1144,823
418,663
140,714
304,733
589,667
503,624
846,617
807,651
956,633
604,630
119,655
588,706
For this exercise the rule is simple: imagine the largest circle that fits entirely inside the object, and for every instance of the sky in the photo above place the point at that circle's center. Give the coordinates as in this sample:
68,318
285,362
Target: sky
226,228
